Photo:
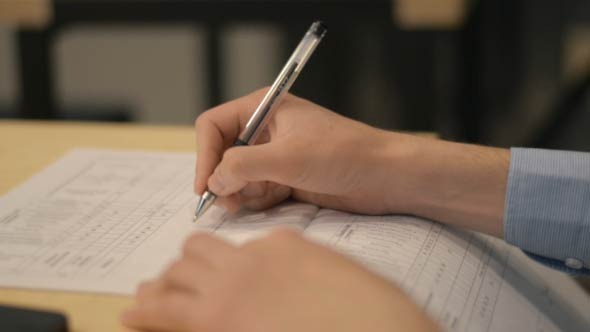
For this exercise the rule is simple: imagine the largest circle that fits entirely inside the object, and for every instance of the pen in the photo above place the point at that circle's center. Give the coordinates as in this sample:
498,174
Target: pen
281,85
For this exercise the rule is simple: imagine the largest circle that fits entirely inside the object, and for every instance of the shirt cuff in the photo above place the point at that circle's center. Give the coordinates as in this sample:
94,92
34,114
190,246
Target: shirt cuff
547,210
557,265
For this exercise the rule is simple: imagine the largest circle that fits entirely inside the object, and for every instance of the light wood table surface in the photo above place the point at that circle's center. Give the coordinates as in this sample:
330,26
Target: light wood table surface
28,147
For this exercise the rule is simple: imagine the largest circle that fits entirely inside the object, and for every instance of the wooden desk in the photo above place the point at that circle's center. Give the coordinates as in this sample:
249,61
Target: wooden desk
26,148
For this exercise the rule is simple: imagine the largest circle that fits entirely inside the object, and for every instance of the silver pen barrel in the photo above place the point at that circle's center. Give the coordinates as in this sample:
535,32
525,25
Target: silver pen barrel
283,82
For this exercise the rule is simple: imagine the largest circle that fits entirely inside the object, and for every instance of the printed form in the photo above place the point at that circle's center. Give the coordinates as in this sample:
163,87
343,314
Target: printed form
103,221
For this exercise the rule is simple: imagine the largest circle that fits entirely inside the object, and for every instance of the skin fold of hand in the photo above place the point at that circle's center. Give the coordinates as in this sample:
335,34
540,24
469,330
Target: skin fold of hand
281,282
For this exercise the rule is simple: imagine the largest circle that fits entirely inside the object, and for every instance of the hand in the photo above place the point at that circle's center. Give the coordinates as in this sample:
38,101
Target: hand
278,283
319,157
306,151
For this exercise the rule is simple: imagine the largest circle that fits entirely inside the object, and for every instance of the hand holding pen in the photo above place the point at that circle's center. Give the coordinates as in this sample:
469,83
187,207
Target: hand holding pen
273,97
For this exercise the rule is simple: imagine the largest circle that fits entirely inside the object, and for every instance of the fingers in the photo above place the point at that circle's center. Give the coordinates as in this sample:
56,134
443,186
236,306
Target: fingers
210,147
255,196
273,195
188,274
216,130
208,249
170,311
242,165
231,203
174,302
180,300
148,290
254,190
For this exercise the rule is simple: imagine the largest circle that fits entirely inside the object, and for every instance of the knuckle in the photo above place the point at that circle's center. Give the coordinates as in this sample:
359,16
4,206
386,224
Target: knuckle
202,120
173,269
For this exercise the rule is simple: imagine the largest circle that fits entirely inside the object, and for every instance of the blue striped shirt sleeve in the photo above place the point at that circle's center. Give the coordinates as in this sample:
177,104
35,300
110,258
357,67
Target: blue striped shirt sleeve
547,210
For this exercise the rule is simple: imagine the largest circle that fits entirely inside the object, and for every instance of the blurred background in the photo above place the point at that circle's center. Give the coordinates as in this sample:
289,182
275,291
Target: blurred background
498,72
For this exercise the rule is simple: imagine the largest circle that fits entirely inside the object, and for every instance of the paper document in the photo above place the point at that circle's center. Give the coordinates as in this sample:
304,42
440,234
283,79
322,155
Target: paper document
103,221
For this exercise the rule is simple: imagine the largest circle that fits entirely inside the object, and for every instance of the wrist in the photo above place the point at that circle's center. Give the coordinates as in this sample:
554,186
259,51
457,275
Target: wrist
403,185
459,184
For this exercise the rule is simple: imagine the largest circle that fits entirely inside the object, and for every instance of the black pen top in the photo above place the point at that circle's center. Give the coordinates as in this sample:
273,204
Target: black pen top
318,28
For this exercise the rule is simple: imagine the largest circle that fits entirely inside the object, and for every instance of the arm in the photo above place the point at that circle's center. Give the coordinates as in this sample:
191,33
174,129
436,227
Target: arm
537,200
457,184
317,156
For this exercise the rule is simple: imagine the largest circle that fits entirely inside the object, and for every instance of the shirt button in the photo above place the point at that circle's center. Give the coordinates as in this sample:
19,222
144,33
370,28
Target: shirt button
574,263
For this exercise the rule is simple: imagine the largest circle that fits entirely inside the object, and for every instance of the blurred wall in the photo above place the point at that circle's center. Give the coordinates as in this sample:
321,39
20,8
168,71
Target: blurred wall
405,79
157,73
154,72
8,77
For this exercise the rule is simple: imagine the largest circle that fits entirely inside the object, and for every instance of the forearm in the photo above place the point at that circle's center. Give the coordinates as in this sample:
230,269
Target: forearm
458,184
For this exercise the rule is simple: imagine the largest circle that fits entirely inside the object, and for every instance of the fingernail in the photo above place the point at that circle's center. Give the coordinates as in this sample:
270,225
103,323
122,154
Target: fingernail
253,190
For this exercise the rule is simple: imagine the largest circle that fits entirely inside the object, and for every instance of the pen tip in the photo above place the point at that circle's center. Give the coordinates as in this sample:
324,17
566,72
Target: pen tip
203,205
199,212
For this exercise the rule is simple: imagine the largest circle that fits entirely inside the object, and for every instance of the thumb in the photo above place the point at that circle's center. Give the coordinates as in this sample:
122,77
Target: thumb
243,164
